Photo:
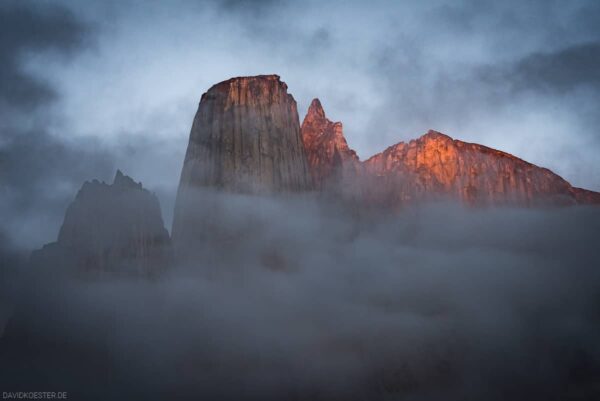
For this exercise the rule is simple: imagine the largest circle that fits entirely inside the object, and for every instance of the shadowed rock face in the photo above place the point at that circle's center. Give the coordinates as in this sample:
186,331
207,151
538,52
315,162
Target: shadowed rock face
245,139
433,167
114,227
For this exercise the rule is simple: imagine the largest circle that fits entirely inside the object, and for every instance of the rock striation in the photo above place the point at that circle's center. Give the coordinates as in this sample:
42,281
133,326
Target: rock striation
245,139
114,227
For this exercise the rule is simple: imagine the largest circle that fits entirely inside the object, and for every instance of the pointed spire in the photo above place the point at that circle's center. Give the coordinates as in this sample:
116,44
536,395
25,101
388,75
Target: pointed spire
119,176
316,109
123,180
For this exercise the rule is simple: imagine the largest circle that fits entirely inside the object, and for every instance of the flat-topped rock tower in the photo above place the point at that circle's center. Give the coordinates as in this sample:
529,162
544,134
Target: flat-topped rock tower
245,138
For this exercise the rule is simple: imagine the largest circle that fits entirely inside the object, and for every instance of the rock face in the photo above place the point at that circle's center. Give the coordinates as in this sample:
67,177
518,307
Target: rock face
329,157
586,197
114,227
245,138
432,167
436,166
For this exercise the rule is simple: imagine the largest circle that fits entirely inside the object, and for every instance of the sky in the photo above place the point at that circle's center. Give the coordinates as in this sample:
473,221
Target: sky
89,87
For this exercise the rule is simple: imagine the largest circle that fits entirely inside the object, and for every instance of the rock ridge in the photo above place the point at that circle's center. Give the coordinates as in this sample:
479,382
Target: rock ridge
433,167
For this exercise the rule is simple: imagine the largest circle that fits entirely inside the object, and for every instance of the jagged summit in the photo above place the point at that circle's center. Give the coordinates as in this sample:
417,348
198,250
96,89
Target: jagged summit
124,181
121,182
315,110
327,149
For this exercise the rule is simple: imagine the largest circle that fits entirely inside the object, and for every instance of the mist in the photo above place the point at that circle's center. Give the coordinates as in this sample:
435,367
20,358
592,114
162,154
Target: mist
297,298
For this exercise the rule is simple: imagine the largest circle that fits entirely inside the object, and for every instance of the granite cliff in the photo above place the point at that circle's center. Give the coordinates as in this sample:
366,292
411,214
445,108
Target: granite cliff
245,139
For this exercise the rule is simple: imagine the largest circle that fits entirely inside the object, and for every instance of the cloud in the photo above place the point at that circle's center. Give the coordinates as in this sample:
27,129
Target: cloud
25,29
39,172
567,69
306,302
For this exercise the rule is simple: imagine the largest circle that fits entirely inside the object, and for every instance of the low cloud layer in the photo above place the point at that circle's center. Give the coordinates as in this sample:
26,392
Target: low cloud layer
302,301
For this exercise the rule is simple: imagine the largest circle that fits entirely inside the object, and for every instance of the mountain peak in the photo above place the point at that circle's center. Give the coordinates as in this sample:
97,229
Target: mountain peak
432,134
316,109
328,153
260,85
124,181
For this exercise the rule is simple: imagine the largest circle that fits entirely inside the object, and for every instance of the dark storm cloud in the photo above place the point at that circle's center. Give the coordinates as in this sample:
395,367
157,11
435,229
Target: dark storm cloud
25,28
421,85
256,8
566,69
268,22
39,172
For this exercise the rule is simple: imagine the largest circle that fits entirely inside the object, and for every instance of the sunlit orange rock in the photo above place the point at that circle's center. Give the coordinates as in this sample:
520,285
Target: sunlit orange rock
431,168
436,167
329,157
585,196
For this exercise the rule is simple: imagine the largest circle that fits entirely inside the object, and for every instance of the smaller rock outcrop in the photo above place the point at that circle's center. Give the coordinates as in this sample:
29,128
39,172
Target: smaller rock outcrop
114,227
